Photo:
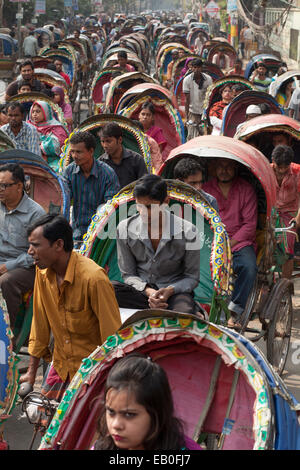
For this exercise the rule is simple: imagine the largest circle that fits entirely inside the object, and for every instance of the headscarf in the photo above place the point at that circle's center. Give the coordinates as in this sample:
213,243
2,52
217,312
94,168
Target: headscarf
60,91
49,119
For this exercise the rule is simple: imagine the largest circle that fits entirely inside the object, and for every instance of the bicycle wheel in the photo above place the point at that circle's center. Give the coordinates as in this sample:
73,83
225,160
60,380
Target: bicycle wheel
279,330
251,302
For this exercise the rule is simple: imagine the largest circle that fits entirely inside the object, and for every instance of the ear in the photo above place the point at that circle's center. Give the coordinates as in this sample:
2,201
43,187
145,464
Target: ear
60,244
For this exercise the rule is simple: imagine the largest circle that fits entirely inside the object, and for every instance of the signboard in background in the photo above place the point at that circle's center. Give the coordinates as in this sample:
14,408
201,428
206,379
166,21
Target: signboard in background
212,9
68,3
40,6
231,6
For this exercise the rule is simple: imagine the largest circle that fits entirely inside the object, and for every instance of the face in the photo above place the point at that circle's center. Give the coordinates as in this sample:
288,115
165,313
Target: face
27,72
225,171
44,254
128,422
197,71
25,89
280,139
195,180
146,118
10,191
58,65
15,117
150,210
111,145
122,61
261,70
227,94
37,114
81,155
3,118
56,98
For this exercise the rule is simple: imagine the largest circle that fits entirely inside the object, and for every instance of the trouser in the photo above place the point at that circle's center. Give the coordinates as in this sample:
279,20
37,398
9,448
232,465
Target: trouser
245,268
128,297
14,284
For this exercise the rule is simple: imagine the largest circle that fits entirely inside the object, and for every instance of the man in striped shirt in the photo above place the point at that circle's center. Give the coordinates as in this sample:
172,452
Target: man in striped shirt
91,182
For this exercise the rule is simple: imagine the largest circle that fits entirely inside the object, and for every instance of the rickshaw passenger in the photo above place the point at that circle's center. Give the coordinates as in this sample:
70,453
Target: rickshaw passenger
147,119
260,79
287,201
158,253
91,182
216,111
136,383
59,98
252,111
237,203
122,64
194,87
23,134
17,211
59,69
192,172
294,105
27,73
175,56
128,165
73,299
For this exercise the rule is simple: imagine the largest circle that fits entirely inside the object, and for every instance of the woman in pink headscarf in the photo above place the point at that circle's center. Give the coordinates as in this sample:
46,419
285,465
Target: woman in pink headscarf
146,118
59,98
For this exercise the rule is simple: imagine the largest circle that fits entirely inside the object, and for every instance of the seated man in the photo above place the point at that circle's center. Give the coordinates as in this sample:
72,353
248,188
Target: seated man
237,203
122,64
128,165
158,253
191,172
17,212
91,182
27,74
287,201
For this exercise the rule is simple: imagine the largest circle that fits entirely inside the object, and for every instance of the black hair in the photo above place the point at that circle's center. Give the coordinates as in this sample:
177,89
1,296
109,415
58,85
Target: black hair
16,171
51,66
15,105
283,155
265,108
55,227
27,62
3,108
197,63
86,137
150,106
123,54
149,384
152,186
24,83
238,87
186,167
111,129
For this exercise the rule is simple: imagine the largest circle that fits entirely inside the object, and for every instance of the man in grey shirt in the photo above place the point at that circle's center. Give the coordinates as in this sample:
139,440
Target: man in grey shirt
158,253
17,212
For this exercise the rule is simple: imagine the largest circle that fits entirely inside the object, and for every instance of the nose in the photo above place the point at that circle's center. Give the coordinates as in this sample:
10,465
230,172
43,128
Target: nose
117,423
30,250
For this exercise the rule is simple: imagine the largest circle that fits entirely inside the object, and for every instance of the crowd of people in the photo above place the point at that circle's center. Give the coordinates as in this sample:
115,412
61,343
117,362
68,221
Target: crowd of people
73,298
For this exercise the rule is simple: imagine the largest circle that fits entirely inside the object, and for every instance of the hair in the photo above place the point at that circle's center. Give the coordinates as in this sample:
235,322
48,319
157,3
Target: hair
265,108
55,227
149,383
152,186
86,137
150,106
238,87
111,129
283,155
15,105
3,108
197,63
123,54
51,66
16,171
187,167
27,62
24,83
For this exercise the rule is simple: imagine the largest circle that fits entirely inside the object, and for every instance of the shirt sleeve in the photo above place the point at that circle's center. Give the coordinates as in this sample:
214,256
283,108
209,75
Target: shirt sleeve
104,304
141,168
112,185
249,217
40,328
186,84
35,143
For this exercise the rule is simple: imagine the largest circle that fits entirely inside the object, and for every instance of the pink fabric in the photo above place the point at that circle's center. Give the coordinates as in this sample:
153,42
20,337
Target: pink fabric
287,199
157,134
128,67
238,212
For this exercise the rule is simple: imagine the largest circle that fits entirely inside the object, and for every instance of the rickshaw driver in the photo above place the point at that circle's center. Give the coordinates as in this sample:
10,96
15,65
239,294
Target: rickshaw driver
158,253
237,203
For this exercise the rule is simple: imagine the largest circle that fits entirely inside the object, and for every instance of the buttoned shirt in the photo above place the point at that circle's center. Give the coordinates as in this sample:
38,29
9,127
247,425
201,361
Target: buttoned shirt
197,95
13,232
238,211
89,193
175,262
27,139
287,195
131,168
81,314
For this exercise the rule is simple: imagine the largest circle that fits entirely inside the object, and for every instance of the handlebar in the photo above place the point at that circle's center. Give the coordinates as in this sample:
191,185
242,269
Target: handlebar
286,229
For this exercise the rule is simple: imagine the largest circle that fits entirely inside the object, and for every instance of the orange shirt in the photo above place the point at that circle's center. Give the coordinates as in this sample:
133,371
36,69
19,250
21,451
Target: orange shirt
81,314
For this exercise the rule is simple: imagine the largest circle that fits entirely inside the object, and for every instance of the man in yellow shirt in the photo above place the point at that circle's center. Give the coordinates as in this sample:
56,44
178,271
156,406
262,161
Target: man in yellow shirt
73,299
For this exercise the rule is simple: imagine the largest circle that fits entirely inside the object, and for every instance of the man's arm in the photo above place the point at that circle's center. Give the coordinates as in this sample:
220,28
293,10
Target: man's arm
249,219
187,105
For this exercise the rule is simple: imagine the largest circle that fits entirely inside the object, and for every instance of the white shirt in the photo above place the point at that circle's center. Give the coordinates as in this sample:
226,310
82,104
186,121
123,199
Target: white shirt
197,96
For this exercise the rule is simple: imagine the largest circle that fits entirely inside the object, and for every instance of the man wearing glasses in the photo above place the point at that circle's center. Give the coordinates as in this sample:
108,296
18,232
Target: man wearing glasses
17,212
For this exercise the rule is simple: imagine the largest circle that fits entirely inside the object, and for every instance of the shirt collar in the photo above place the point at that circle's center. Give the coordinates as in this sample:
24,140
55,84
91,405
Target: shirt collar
93,170
70,271
125,154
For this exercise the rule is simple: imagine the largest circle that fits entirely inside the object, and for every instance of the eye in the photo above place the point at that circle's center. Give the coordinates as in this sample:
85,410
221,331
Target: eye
110,412
129,415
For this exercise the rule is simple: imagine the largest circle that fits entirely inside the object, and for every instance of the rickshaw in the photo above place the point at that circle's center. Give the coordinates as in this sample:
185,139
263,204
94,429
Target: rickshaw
214,94
49,190
133,137
164,57
8,56
96,101
133,59
235,113
224,391
167,116
271,298
271,61
278,86
222,54
258,131
68,60
119,85
193,34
